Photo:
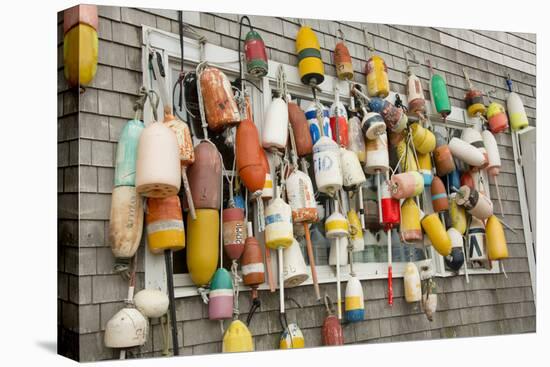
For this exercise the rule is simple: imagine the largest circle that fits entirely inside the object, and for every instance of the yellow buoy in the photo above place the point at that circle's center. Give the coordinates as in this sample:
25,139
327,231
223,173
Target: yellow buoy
202,245
310,64
435,230
378,84
410,229
458,215
80,49
237,338
496,240
408,164
292,338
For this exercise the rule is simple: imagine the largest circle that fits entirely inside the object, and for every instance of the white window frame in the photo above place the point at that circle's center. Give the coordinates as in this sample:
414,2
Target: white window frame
226,60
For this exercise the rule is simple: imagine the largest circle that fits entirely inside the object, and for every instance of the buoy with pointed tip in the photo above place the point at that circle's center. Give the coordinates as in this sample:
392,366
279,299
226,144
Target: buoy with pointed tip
220,107
435,230
202,245
476,240
151,303
457,214
440,202
237,338
410,229
466,152
220,304
300,129
497,248
411,280
439,94
456,257
443,158
425,168
516,110
354,300
294,266
356,138
310,64
291,338
476,203
275,128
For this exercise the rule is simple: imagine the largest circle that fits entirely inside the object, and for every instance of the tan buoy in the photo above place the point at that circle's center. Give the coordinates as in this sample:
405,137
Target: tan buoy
473,137
377,160
219,104
406,185
466,152
476,203
411,280
151,302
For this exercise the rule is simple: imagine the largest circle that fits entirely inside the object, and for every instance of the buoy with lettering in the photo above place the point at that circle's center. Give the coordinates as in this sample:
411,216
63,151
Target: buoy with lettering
476,203
516,111
496,117
294,266
415,93
300,129
493,156
202,245
440,202
80,44
301,197
476,240
249,156
342,58
473,98
310,64
234,232
457,214
439,94
410,229
331,331
205,176
220,107
411,280
466,152
314,129
327,166
354,300
435,230
473,137
422,138
356,138
496,240
425,168
352,172
456,258
291,338
237,338
406,185
220,304
127,328
443,158
275,128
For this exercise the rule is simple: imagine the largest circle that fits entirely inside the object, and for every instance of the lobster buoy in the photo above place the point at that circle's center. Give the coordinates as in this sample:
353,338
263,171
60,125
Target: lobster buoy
457,214
234,232
164,222
158,168
310,64
423,139
356,138
125,224
202,245
255,54
516,111
406,185
373,125
267,190
352,172
127,328
474,102
342,61
390,207
355,231
300,129
292,338
278,225
440,96
126,153
343,136
425,168
219,104
354,301
151,303
435,230
376,71
496,240
476,240
220,304
411,280
408,162
275,129
205,176
476,203
80,44
252,264
440,202
493,156
443,158
301,197
394,117
473,137
294,266
410,229
327,166
496,118
314,129
467,179
415,95
331,331
336,226
456,258
466,152
237,338
249,156
377,155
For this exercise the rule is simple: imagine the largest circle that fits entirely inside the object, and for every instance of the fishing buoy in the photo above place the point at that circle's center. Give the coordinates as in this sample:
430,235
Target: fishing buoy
435,230
151,303
355,231
249,156
473,137
80,44
373,125
234,232
394,117
411,280
255,53
473,98
443,158
354,301
406,185
202,245
352,172
310,64
327,166
452,180
336,251
275,128
466,152
376,71
294,266
342,59
278,225
158,168
497,118
516,111
205,176
126,153
425,168
164,223
496,240
457,214
456,258
127,328
410,229
292,338
356,138
377,155
390,207
476,240
252,265
493,156
339,116
331,331
220,304
438,91
314,129
219,104
408,162
467,179
423,139
267,190
476,203
301,197
415,94
237,338
440,201
300,129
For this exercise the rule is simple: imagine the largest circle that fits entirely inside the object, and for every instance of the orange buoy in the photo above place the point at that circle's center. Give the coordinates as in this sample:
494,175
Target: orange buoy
219,104
342,59
164,223
443,158
300,129
249,156
440,201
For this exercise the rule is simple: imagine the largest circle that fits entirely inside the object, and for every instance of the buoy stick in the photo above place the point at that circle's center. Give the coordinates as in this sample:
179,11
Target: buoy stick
338,289
379,194
466,256
361,208
188,195
269,269
498,196
390,273
309,248
172,304
281,281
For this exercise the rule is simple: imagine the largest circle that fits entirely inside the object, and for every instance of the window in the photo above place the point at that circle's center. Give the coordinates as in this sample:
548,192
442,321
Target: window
371,263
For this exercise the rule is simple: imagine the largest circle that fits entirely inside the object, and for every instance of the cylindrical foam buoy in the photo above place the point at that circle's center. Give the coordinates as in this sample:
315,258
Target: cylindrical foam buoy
332,255
457,214
275,129
373,125
342,62
496,240
440,202
252,263
183,135
377,155
220,304
467,179
125,223
356,139
516,111
408,162
493,156
300,128
443,158
354,300
423,139
249,159
294,266
411,280
301,197
425,168
331,331
466,152
352,172
415,95
473,137
410,229
406,185
267,190
151,303
394,118
126,153
164,221
390,207
474,102
476,203
219,103
476,240
292,338
336,226
456,258
435,230
314,128
497,118
237,338
202,245
327,166
440,96
234,232
310,64
355,231
205,176
255,54
343,136
376,71
278,225
158,168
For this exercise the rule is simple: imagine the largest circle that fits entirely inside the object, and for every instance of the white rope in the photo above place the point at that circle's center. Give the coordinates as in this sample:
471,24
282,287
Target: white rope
236,280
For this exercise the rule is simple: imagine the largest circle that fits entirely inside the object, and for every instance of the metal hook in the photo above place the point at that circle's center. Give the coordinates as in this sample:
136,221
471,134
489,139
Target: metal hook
340,34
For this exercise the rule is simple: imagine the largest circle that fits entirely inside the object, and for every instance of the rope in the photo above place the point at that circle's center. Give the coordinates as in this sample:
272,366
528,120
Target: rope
203,292
236,280
204,124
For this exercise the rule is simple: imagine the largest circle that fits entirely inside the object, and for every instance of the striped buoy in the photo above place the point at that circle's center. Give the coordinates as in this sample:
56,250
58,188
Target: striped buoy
314,129
164,223
292,338
476,203
516,111
220,305
476,240
343,136
377,160
425,168
496,118
373,125
456,258
354,302
440,202
473,137
310,64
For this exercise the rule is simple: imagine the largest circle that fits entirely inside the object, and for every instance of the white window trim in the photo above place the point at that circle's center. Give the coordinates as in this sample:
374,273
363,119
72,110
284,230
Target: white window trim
225,59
